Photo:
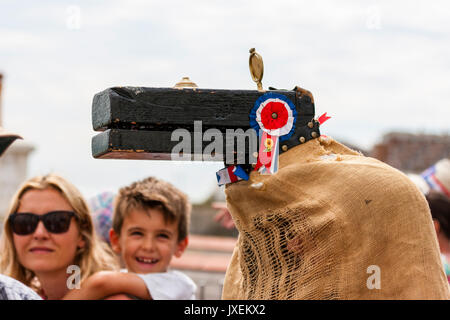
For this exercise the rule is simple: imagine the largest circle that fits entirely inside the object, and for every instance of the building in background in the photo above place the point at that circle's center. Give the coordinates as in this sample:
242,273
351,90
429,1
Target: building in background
13,166
411,153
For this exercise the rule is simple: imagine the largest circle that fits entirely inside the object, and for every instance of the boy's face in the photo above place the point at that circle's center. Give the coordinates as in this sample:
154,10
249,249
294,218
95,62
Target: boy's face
146,242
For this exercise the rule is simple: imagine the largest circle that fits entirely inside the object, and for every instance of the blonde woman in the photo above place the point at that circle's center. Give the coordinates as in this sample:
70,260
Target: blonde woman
48,229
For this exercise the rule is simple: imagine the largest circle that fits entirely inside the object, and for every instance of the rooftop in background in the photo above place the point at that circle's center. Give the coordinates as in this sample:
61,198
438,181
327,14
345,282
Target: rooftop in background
412,152
206,253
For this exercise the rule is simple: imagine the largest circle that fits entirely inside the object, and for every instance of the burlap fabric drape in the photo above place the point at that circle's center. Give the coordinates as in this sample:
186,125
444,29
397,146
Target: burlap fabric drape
314,229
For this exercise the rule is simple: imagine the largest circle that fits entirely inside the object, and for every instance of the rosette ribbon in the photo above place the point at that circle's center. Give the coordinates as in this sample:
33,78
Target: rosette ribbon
273,116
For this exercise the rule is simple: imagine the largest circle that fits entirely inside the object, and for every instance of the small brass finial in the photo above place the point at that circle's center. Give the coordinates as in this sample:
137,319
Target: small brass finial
256,65
185,82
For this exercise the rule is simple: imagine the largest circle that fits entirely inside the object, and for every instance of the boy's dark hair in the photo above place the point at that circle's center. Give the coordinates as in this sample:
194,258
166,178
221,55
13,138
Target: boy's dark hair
440,210
152,193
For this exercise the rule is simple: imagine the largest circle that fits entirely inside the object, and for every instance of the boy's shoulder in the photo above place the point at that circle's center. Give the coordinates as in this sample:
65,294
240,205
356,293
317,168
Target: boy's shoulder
170,285
170,275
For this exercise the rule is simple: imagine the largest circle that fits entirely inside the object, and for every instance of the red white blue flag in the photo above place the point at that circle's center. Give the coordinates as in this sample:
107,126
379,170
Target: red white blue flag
230,174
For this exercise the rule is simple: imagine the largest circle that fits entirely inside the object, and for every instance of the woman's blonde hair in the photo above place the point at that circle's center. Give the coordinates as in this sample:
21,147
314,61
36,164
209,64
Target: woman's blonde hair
94,256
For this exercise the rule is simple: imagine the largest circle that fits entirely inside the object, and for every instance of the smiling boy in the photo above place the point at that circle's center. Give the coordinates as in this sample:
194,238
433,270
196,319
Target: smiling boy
150,226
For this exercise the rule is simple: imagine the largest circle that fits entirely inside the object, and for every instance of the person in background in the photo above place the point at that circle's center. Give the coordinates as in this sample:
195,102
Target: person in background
440,212
150,226
11,289
47,230
102,211
436,177
223,216
434,183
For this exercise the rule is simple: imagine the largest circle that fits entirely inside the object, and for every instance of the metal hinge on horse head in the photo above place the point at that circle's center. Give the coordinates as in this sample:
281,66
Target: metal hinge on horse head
307,128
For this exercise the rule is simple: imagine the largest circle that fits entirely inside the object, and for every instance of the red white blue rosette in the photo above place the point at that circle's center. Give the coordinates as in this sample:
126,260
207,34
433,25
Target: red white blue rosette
273,117
262,115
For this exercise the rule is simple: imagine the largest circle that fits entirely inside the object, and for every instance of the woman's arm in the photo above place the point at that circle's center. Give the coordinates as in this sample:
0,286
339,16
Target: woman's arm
107,283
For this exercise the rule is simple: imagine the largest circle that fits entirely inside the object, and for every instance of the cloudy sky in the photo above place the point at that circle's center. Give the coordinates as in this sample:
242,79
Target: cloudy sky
374,66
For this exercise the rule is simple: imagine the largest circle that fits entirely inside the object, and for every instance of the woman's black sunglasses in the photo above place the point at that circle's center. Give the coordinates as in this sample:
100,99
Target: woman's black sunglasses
54,221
